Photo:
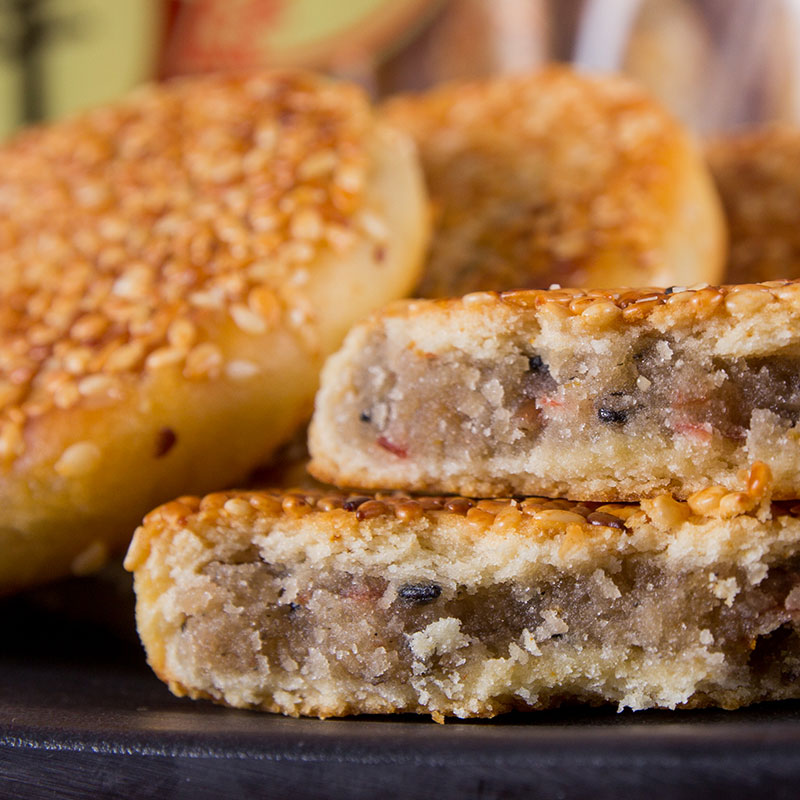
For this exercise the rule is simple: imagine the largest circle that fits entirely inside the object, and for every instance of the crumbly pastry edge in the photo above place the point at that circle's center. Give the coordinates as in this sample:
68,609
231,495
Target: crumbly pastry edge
742,319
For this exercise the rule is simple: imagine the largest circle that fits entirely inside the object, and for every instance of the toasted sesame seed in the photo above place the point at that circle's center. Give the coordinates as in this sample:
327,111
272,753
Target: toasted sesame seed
459,505
266,504
182,334
203,362
11,440
371,509
238,507
318,164
66,395
240,370
247,320
408,511
133,208
264,302
306,224
373,225
163,357
91,559
329,503
78,459
89,327
296,506
98,384
125,357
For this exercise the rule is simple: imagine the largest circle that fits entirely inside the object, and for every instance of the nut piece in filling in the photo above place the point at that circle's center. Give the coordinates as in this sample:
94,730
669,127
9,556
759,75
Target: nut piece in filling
590,394
296,603
173,270
559,177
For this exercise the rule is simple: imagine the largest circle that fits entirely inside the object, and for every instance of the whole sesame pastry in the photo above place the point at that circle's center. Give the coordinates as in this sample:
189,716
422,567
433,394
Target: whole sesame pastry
328,604
757,174
600,395
559,177
173,270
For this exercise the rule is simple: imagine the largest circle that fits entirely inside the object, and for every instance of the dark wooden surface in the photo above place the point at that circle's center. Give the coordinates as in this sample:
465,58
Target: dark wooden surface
82,716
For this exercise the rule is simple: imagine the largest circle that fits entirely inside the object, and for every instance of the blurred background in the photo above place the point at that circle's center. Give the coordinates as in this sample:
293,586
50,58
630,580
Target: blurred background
718,64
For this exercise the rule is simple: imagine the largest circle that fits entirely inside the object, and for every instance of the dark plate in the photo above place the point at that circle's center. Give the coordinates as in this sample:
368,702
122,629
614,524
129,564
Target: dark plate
82,716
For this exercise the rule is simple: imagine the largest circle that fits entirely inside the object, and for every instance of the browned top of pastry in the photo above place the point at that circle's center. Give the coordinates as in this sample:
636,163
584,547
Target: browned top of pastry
129,232
337,511
602,308
537,178
758,177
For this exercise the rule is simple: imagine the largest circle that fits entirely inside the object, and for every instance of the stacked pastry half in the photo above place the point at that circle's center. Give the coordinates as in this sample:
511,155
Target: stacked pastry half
628,534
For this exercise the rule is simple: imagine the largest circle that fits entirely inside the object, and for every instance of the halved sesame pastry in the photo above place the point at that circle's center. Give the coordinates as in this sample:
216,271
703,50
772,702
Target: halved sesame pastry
559,177
592,395
329,604
173,270
758,177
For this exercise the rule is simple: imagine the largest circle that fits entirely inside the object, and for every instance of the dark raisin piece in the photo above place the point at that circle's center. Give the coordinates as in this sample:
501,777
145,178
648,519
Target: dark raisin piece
294,607
419,593
612,415
364,416
535,363
165,441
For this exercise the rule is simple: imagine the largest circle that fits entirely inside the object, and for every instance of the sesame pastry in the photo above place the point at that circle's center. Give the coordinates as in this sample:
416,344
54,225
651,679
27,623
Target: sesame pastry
326,604
173,270
559,177
758,177
601,395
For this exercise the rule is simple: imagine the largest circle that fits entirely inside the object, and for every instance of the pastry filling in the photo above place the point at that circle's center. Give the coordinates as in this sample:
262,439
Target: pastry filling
344,627
416,405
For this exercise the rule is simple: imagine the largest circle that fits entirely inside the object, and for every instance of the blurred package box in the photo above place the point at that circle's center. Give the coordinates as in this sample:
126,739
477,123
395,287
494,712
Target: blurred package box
718,64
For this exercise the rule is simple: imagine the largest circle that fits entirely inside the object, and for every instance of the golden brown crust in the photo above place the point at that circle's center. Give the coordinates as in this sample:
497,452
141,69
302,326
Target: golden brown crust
617,307
174,272
340,513
758,177
560,178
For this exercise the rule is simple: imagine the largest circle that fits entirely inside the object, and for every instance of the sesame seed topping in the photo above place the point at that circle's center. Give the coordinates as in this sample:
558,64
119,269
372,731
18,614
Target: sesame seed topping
500,514
240,370
78,459
129,233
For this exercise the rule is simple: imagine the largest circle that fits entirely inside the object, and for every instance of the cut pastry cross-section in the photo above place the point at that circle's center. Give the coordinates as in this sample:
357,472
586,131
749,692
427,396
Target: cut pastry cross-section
328,604
591,395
